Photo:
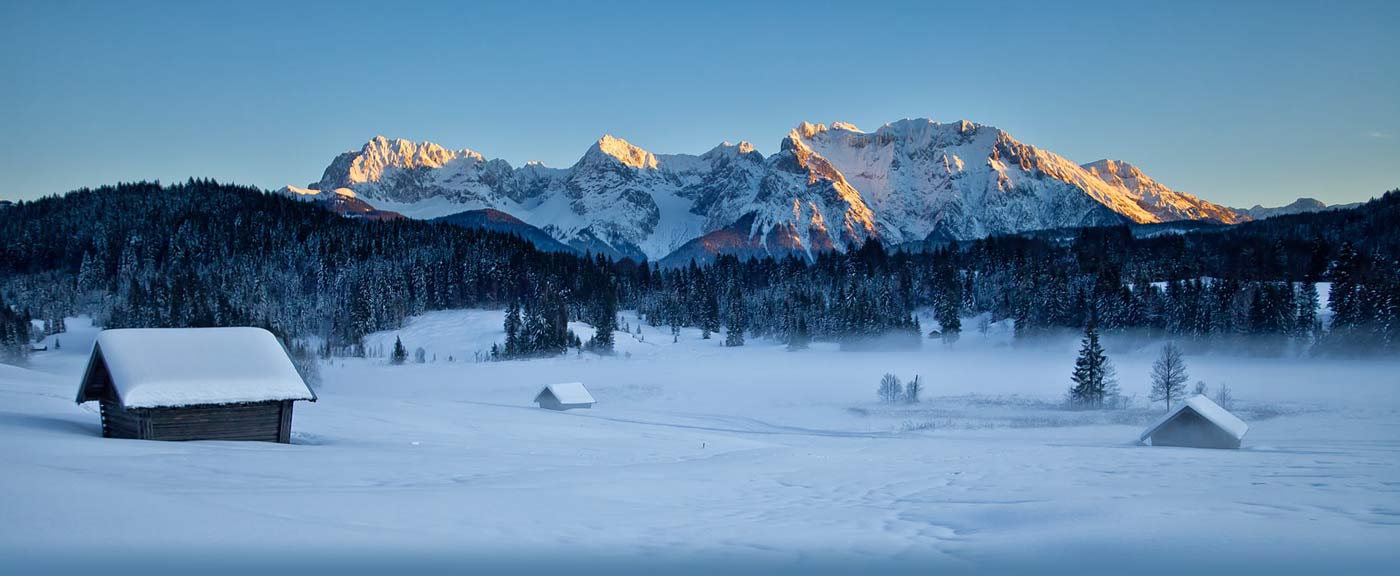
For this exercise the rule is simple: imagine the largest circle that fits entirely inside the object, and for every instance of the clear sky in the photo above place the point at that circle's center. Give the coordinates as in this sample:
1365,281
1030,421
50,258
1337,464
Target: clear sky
1238,102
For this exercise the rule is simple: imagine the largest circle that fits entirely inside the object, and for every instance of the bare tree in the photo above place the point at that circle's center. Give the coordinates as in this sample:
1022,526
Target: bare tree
890,391
1224,398
1169,375
912,389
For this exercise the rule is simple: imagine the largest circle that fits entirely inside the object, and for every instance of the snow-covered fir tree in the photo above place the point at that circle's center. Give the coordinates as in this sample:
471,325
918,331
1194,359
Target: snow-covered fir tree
400,353
1093,372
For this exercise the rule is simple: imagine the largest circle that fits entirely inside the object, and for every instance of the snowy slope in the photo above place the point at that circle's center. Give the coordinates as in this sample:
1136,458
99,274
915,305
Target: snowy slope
825,188
342,201
963,180
1165,204
751,457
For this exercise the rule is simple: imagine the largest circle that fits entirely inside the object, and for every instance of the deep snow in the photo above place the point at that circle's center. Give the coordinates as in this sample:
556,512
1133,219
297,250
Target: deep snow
698,453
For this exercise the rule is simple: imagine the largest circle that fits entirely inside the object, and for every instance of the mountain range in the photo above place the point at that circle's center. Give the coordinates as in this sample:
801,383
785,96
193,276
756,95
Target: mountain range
826,188
1299,206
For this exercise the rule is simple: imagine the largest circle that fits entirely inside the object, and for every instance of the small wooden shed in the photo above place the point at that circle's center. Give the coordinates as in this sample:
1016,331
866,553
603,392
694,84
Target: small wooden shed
1197,423
193,384
564,396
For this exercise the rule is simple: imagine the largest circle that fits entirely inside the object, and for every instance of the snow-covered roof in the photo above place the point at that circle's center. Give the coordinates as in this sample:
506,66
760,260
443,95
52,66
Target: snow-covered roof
568,393
1209,410
161,367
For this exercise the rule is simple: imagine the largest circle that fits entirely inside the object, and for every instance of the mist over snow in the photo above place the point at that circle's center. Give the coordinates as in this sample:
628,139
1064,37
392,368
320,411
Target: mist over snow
698,453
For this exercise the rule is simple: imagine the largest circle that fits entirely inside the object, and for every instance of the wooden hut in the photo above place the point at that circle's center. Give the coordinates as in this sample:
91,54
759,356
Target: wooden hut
564,396
1197,423
193,384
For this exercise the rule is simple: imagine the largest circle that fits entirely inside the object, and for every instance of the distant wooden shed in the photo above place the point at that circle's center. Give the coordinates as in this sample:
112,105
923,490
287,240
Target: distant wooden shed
564,396
193,384
1197,423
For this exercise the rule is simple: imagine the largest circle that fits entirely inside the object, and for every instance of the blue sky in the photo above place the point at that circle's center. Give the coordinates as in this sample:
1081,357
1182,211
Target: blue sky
1238,102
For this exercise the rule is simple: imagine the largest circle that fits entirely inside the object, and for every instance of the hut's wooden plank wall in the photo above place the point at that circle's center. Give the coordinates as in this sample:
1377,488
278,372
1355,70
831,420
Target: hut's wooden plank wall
265,421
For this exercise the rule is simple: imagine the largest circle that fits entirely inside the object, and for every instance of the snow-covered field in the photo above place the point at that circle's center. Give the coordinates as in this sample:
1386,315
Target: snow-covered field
701,455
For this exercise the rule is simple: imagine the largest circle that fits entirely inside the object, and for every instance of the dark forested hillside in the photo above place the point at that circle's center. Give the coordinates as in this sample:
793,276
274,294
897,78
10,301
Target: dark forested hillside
206,254
203,254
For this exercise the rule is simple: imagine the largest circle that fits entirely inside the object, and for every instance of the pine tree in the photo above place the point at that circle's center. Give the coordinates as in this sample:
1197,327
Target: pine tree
709,315
605,323
1169,375
1093,372
1306,325
1345,298
737,319
400,353
513,326
948,306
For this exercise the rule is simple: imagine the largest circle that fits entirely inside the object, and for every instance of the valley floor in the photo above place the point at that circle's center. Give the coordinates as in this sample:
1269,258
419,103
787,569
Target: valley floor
698,455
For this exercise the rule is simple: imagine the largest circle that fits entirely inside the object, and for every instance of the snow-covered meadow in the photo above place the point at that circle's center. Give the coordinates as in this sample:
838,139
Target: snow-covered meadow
697,453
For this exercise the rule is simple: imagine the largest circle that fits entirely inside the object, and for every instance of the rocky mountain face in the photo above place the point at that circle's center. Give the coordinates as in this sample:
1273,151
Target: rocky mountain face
1165,204
826,188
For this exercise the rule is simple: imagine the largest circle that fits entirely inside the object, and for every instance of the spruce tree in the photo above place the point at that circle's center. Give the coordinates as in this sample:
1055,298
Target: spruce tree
709,315
737,320
400,353
1306,324
513,325
605,323
1093,373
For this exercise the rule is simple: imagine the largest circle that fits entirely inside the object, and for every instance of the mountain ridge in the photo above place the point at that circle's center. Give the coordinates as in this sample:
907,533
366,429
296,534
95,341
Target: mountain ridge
1299,206
826,188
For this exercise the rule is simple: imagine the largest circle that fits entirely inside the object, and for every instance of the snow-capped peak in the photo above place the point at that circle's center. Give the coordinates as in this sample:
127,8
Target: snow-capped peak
806,130
728,148
826,188
1123,171
624,152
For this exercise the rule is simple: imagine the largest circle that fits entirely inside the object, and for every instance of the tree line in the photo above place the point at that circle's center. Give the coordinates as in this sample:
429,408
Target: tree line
201,253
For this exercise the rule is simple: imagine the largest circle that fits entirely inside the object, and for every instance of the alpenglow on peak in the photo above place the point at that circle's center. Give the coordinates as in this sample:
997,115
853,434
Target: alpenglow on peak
826,188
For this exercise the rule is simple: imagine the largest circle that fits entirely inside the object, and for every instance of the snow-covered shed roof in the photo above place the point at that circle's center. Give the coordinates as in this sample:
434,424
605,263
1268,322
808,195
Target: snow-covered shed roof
1209,410
568,393
164,367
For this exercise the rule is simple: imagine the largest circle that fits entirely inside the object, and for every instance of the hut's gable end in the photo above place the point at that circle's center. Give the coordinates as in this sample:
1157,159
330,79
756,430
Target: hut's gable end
1190,429
1198,422
97,380
547,400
